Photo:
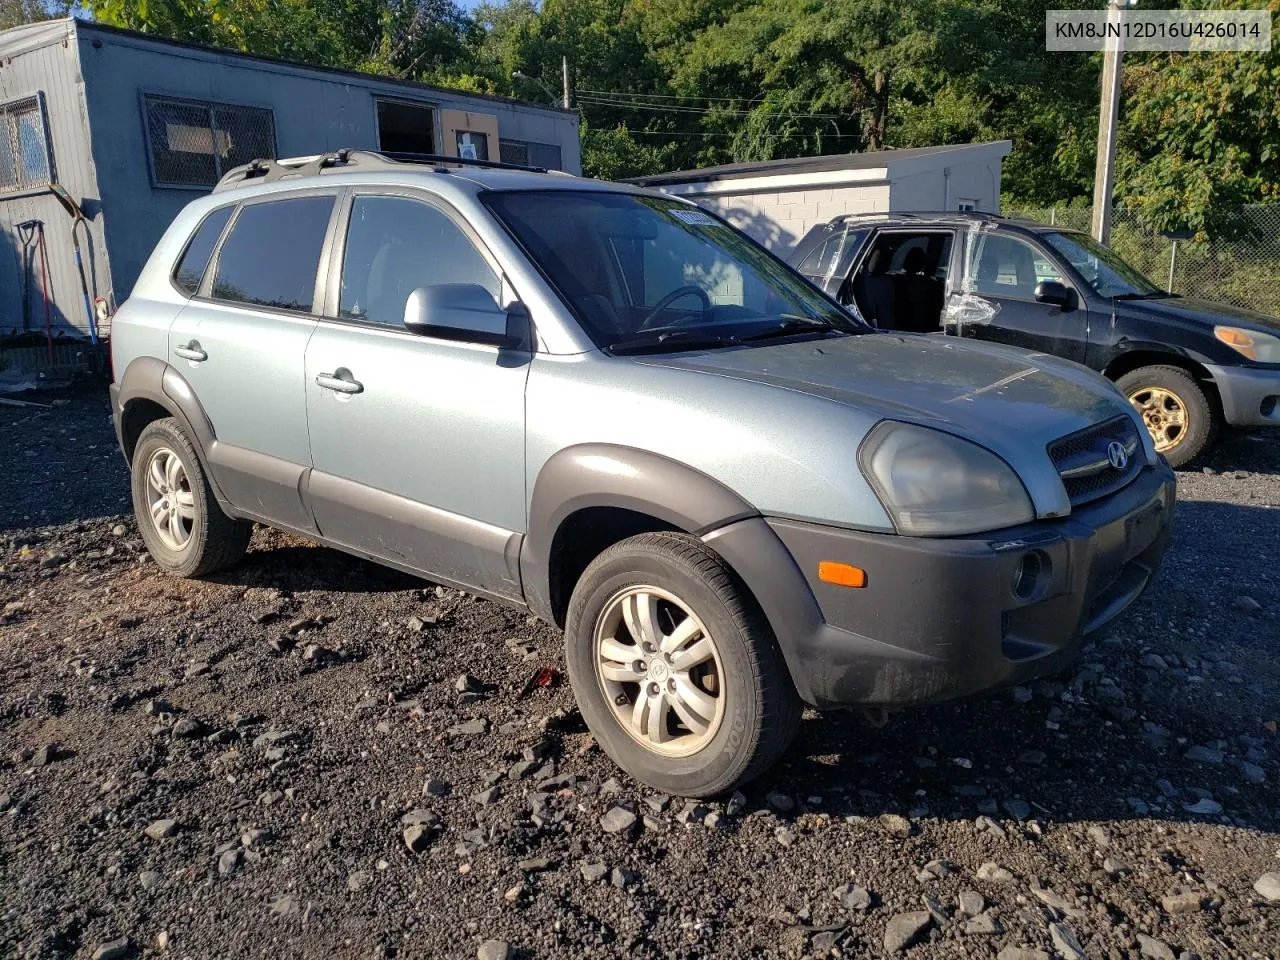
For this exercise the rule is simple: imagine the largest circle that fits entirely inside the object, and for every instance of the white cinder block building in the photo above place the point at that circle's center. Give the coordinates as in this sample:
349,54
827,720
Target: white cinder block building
777,201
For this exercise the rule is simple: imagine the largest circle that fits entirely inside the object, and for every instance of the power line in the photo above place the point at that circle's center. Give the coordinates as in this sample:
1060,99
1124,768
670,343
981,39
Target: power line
660,96
707,134
621,104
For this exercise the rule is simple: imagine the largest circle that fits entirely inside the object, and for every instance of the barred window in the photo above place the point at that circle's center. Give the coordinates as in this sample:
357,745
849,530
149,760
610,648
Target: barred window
530,154
25,159
193,142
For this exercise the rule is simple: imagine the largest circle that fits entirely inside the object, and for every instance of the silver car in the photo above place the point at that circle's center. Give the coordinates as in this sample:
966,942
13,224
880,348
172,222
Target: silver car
613,409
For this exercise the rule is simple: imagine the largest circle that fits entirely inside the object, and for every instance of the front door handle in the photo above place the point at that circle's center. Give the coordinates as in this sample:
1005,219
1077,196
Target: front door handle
340,381
191,351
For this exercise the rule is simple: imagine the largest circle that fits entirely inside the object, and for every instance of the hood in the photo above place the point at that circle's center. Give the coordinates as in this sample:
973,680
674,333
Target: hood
1001,397
1203,313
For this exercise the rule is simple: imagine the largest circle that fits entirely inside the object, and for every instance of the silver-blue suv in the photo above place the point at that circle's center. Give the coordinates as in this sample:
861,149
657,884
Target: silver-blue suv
611,408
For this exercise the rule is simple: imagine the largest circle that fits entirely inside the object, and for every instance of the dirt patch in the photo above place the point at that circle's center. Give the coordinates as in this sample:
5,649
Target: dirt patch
302,721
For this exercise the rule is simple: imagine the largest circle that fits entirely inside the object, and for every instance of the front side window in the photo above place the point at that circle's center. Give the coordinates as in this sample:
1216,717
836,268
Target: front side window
637,268
24,146
195,258
1004,266
395,245
1101,267
194,142
270,257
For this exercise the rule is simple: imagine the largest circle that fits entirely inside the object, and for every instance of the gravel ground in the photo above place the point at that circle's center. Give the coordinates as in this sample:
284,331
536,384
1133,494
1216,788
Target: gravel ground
287,760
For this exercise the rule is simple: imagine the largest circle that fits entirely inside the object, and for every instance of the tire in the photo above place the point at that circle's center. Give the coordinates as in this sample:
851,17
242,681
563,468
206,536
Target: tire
741,691
1165,394
203,539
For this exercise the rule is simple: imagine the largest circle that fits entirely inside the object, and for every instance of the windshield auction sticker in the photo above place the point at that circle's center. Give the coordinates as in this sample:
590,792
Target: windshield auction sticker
694,218
1121,28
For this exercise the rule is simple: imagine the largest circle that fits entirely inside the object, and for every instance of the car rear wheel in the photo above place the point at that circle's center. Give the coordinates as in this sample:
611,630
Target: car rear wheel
675,668
185,530
1178,414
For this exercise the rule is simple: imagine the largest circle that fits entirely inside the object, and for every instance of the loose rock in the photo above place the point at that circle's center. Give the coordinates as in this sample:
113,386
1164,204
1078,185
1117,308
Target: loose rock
904,929
417,838
1267,886
779,801
971,903
896,825
594,871
1180,900
161,829
983,925
112,949
1021,953
1065,942
853,897
993,873
494,950
618,820
1155,949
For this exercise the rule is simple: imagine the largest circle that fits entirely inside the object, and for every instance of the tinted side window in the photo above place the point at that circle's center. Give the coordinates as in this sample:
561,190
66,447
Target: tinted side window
270,256
191,267
395,245
1003,266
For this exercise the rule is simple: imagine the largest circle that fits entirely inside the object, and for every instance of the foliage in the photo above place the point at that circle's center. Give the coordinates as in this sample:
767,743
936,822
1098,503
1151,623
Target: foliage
1201,136
14,13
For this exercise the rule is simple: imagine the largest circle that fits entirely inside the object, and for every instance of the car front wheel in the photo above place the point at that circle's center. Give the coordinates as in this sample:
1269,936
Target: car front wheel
1178,414
675,668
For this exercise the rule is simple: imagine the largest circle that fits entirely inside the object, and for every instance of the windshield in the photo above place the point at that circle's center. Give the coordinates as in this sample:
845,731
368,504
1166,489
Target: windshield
1101,267
642,271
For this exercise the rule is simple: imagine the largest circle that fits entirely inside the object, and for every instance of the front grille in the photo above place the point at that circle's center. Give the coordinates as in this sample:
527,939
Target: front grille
1083,462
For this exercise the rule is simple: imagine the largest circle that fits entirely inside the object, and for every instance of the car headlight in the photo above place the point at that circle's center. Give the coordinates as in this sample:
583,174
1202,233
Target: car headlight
1259,347
934,484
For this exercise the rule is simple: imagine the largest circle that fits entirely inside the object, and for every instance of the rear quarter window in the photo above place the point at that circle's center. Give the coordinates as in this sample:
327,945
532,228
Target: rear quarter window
270,257
195,259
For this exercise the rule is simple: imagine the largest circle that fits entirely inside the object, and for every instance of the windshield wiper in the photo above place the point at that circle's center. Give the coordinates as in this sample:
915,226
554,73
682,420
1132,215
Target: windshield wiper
789,326
672,340
1153,295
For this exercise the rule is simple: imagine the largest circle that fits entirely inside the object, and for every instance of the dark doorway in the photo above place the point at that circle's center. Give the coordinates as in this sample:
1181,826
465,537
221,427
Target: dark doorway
406,127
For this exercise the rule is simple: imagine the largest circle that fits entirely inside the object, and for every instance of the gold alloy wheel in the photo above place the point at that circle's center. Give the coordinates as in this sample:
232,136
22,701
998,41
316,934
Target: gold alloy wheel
1164,413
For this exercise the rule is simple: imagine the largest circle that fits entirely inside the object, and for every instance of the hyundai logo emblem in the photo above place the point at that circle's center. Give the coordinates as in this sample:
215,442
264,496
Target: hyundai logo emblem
1116,455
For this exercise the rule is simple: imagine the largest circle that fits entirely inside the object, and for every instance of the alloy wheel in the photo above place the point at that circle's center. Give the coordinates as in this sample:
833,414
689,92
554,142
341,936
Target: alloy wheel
1164,413
171,505
660,670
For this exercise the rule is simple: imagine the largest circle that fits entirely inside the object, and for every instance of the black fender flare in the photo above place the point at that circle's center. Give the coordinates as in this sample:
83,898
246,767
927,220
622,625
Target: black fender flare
609,475
151,379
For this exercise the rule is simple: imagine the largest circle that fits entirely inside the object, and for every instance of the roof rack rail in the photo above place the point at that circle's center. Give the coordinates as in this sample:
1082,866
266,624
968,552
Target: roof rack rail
347,158
436,158
980,215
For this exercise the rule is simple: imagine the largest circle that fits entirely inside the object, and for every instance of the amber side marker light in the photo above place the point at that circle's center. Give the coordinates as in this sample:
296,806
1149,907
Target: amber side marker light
841,574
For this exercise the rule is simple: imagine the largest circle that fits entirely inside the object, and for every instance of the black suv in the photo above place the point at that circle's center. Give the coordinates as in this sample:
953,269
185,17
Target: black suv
1189,366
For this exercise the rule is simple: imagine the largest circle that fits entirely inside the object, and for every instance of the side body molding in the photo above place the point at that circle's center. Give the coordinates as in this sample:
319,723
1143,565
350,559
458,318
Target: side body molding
606,475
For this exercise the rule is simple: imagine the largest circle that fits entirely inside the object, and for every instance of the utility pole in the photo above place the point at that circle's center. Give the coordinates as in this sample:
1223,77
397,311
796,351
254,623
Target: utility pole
1108,116
564,66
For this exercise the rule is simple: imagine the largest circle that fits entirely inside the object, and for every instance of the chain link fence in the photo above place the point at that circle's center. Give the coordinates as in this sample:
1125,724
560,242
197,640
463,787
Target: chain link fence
1244,272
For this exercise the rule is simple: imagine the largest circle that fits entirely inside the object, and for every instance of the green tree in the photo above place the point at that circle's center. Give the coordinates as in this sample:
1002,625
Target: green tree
1200,136
14,13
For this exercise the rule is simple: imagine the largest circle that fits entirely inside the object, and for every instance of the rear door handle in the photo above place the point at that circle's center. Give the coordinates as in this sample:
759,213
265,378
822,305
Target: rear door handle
191,351
340,381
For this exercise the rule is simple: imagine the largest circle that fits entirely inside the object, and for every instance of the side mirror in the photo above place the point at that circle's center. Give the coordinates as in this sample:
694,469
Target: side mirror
466,312
1051,291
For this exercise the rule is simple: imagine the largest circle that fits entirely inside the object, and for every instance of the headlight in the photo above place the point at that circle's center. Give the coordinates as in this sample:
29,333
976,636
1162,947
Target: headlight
1260,347
934,484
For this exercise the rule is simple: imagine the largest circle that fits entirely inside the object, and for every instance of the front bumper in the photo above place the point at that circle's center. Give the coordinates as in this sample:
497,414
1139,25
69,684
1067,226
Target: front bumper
1250,395
940,618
